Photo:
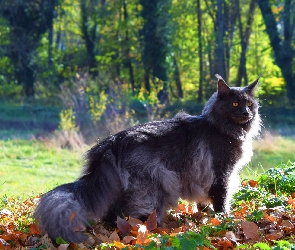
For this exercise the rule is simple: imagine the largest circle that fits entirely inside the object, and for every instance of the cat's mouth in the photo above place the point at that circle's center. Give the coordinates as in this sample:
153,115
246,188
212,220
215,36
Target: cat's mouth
241,119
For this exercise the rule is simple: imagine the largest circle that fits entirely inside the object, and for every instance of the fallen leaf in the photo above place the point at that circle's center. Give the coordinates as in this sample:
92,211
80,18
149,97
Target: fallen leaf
123,226
134,222
63,247
128,239
118,244
215,221
287,224
114,236
151,222
181,207
34,229
250,230
102,238
253,183
274,235
142,234
90,241
225,243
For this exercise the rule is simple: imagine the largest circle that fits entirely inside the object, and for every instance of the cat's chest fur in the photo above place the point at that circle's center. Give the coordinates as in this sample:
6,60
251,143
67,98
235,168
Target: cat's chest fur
216,156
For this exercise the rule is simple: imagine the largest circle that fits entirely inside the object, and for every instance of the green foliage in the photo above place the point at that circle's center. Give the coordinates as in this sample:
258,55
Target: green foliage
97,109
271,185
255,216
279,179
126,38
67,121
188,240
248,193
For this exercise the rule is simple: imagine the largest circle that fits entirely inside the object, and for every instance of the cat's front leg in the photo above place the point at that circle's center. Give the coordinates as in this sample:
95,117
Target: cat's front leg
218,195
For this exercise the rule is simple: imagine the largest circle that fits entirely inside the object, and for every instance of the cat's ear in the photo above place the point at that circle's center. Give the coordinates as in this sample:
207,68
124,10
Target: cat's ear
252,86
222,87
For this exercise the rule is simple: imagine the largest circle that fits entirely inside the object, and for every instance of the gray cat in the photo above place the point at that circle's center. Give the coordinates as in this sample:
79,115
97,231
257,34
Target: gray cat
150,166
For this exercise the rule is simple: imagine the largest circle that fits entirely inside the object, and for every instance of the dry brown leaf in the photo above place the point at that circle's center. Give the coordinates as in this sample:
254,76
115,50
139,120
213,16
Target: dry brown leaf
225,244
151,222
134,222
114,236
287,224
128,239
123,226
102,238
250,230
177,230
274,235
161,230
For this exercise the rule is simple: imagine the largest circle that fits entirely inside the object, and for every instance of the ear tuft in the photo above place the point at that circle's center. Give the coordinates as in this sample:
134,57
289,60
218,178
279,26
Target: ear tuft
222,87
252,86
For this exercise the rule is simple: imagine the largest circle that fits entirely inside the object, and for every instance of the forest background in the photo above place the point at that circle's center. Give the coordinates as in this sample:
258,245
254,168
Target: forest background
97,59
72,71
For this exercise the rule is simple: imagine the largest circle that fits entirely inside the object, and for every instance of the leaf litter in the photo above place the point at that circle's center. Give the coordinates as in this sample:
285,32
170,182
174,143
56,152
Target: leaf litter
249,226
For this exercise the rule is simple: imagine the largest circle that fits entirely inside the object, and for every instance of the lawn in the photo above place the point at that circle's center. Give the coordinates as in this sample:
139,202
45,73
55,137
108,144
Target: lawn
269,151
32,166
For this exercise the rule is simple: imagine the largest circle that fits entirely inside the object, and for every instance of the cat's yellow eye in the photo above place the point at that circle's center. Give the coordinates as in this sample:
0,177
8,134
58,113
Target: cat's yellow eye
249,104
235,104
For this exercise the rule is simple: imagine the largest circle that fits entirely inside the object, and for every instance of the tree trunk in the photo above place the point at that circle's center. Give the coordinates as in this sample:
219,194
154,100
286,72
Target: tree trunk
219,50
245,36
90,39
200,45
29,81
283,51
128,62
177,79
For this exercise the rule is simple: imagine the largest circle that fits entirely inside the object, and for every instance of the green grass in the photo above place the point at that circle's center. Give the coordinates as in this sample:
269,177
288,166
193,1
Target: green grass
270,151
30,166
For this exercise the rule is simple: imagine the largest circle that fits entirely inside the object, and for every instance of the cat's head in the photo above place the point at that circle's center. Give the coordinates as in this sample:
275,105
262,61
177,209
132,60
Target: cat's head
237,104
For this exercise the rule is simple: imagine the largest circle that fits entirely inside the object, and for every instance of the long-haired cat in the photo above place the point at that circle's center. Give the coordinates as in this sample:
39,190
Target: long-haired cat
150,166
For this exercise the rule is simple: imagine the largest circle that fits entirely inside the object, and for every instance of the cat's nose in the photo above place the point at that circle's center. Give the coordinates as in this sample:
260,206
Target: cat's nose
246,113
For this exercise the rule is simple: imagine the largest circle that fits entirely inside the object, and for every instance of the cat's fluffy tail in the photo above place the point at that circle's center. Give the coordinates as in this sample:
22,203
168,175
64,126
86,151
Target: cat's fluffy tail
60,214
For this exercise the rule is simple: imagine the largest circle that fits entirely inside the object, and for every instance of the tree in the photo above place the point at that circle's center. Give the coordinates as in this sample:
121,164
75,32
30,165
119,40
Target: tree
281,43
155,41
244,36
91,11
200,47
28,21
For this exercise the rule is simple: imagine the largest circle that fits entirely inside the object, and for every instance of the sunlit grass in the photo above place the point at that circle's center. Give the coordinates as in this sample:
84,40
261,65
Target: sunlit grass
30,166
270,151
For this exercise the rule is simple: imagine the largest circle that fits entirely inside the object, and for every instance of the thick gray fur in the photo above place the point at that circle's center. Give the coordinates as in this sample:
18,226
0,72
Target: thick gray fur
150,166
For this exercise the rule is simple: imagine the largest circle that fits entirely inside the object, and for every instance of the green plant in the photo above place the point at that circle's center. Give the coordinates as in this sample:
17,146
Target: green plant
67,120
281,178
